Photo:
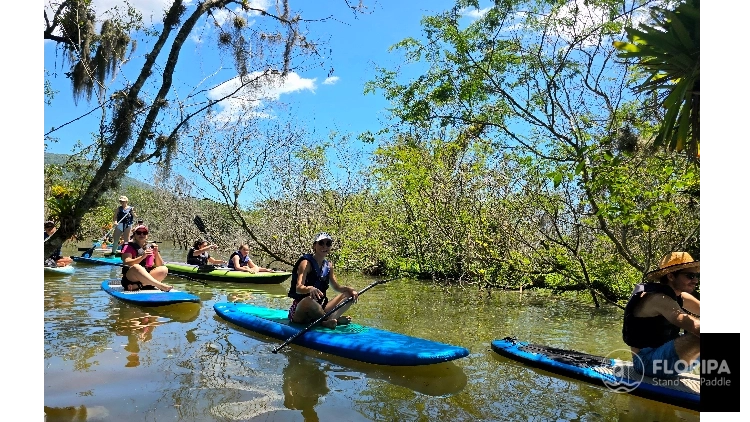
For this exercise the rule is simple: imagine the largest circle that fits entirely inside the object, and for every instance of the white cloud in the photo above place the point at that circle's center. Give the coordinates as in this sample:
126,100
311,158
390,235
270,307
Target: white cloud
331,80
153,10
473,13
253,97
587,16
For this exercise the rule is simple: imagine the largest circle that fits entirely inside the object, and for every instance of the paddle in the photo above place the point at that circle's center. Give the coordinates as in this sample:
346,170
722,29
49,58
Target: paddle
317,321
202,228
90,250
176,275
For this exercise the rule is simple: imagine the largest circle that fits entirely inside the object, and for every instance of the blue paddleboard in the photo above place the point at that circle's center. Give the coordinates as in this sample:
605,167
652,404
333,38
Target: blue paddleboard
97,260
147,297
615,374
352,341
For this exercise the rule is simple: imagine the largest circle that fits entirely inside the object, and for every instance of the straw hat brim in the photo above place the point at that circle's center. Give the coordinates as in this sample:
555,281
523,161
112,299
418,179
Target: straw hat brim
657,274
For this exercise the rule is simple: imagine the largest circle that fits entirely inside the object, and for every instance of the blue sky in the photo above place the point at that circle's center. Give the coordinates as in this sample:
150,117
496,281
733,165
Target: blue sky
323,103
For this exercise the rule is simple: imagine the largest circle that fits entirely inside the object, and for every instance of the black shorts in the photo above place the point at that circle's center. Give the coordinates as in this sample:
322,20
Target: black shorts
125,282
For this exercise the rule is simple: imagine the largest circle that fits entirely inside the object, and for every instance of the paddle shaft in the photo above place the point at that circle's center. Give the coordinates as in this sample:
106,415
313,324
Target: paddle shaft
176,275
317,321
91,249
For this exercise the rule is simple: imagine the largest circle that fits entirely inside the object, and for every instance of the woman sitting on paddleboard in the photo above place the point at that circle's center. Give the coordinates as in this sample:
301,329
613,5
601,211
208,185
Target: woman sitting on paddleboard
311,277
198,254
144,268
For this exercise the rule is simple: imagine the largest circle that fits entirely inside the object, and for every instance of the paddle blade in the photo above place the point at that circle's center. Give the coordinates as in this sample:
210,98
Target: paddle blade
199,223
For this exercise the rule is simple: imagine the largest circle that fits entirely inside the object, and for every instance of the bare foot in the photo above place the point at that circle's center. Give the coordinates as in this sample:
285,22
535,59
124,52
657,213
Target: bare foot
329,323
344,320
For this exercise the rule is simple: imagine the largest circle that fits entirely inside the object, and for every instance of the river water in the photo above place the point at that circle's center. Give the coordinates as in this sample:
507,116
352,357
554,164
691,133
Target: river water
105,360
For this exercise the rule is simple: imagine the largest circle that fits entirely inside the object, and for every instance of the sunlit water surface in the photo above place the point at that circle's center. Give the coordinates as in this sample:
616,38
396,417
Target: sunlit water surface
105,360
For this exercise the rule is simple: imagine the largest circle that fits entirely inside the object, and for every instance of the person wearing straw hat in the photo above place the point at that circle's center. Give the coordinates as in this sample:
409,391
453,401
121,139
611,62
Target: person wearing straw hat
656,313
123,220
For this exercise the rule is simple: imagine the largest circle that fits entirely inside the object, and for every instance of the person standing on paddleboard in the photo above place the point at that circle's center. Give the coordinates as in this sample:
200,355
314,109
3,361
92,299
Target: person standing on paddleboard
144,267
657,311
123,221
311,276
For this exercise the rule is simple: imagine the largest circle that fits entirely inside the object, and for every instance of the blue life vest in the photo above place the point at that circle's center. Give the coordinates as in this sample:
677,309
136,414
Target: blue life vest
320,277
243,261
653,331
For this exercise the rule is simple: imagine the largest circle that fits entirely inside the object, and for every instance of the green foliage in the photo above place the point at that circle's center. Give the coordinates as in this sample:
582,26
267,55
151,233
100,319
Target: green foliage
49,92
668,48
564,191
94,57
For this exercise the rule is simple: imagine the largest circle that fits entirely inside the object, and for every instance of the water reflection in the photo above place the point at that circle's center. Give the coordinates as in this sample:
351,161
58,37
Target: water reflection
304,384
74,414
194,366
138,325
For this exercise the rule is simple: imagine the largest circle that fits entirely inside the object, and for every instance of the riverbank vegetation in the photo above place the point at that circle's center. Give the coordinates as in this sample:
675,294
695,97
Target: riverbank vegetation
519,158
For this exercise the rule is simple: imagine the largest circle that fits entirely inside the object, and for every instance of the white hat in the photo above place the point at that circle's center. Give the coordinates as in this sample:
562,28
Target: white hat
321,236
123,198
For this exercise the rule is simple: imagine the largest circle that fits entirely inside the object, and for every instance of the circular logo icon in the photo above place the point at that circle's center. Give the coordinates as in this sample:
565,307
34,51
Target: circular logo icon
621,377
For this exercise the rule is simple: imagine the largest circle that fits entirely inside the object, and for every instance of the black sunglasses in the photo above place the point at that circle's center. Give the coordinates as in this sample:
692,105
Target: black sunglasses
325,242
692,276
141,232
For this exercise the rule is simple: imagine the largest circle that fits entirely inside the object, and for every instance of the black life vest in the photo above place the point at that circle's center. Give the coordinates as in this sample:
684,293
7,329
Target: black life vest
57,254
121,213
139,251
320,277
201,259
653,331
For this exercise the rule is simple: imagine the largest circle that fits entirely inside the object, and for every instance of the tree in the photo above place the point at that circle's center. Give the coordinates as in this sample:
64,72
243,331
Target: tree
273,180
669,50
136,125
539,79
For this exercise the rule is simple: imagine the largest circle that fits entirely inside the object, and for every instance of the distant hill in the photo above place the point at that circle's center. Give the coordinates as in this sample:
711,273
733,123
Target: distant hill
50,158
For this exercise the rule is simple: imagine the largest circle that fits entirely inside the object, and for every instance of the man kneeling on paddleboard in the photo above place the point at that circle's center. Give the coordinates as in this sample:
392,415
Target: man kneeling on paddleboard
657,311
144,267
311,276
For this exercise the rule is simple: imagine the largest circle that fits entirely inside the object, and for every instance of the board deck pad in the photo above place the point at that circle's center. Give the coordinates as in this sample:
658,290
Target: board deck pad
615,374
147,297
353,341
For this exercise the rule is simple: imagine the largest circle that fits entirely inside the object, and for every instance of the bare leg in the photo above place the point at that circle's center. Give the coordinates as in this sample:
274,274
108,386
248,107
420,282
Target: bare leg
64,261
160,272
336,316
126,234
309,311
688,347
138,273
116,238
